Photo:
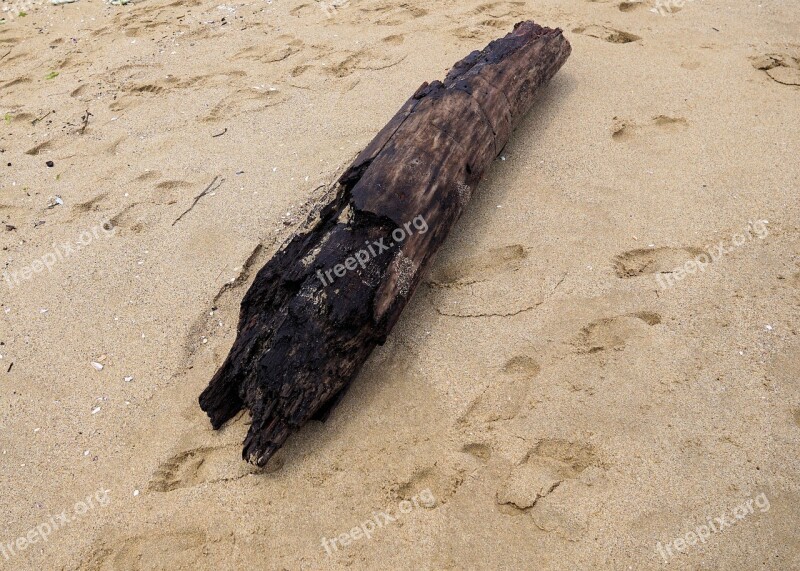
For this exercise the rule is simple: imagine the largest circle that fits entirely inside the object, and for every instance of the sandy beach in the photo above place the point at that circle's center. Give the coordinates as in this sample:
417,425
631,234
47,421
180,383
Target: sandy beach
601,369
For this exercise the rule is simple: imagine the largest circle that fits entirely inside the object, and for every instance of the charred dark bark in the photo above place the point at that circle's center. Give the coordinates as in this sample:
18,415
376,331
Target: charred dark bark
333,292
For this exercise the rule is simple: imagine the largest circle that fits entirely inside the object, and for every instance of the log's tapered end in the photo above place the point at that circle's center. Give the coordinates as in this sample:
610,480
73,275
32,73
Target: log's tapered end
220,400
264,439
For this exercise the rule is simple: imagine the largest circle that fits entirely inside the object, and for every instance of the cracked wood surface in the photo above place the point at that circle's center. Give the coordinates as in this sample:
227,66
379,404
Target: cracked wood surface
301,341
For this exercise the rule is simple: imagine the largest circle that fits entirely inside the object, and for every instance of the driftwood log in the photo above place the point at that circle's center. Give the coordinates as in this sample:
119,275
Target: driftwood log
333,292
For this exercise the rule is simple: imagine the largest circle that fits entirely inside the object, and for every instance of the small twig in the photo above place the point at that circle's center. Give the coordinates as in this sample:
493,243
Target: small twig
559,283
40,118
5,54
9,367
85,121
225,130
197,198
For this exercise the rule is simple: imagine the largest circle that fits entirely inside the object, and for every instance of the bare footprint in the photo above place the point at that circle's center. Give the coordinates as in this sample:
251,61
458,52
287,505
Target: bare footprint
614,332
557,485
442,484
148,175
568,509
199,466
482,29
479,268
362,60
625,129
500,9
148,552
779,67
246,101
483,451
132,218
13,82
646,261
610,35
631,6
169,191
506,394
305,10
550,463
91,205
392,13
39,148
486,19
394,39
490,284
287,46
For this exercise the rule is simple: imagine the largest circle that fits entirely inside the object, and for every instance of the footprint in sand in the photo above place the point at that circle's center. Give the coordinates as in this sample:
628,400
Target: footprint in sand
362,60
625,129
394,39
171,83
610,35
14,82
18,116
113,148
133,218
490,284
479,450
91,205
550,463
614,332
203,465
286,47
82,91
442,483
782,68
486,19
46,145
321,63
645,261
482,29
307,9
556,484
506,394
631,6
247,101
7,37
145,21
392,13
169,191
478,268
148,88
149,551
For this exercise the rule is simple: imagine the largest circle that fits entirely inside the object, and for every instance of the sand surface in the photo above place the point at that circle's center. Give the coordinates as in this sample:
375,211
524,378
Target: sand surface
566,396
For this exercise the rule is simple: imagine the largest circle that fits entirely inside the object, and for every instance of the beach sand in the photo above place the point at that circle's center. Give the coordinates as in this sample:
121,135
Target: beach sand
567,396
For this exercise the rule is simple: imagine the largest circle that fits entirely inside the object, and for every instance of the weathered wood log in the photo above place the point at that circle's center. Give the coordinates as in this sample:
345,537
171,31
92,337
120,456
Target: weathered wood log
333,292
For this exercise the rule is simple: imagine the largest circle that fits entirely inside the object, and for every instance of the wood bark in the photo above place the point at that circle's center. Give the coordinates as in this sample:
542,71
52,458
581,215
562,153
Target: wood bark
302,337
